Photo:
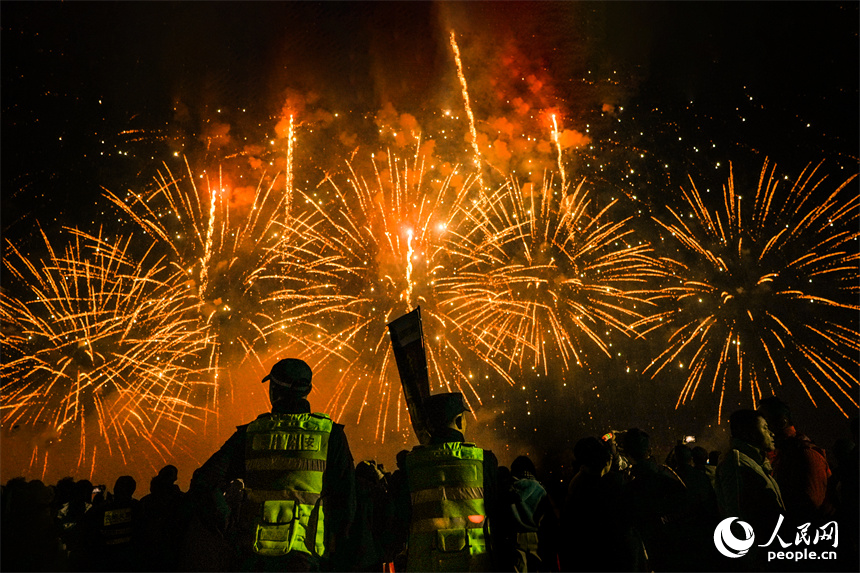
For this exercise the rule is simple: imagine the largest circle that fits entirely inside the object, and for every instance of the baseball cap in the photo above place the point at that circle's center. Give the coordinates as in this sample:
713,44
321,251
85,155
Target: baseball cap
291,374
443,408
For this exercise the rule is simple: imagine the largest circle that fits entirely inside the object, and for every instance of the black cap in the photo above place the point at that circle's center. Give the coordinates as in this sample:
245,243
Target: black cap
443,408
291,374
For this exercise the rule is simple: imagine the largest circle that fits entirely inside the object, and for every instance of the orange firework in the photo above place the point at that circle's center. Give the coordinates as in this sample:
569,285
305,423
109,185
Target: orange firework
766,290
101,341
227,241
541,277
375,251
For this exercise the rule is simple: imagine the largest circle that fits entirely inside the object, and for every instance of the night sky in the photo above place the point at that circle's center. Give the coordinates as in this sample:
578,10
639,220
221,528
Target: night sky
98,94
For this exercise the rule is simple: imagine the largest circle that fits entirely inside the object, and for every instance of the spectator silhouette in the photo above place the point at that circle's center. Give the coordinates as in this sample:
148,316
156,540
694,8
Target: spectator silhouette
527,520
110,530
584,543
163,520
68,518
699,514
701,464
655,497
29,538
370,543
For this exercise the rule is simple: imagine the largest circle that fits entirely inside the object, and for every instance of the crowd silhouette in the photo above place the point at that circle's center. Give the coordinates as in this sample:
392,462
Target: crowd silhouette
624,509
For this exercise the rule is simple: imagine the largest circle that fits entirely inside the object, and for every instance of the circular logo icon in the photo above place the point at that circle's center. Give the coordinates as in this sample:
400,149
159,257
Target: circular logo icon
727,543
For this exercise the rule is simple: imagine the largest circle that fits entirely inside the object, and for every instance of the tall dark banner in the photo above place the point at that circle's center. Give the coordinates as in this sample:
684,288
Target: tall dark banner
407,341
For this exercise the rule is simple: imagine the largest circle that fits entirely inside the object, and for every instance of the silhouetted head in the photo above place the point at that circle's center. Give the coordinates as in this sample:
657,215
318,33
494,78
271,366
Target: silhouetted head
637,444
401,459
592,453
446,411
82,491
168,474
289,379
124,487
700,456
682,456
523,467
776,413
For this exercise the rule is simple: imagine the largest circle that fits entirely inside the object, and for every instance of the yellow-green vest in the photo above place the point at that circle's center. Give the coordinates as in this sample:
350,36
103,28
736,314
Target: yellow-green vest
285,458
449,528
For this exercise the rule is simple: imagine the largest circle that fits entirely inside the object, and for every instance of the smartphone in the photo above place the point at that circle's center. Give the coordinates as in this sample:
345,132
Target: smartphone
606,437
689,439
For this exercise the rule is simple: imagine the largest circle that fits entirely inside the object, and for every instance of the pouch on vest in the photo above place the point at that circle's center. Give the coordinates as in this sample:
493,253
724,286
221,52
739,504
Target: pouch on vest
275,534
451,552
450,540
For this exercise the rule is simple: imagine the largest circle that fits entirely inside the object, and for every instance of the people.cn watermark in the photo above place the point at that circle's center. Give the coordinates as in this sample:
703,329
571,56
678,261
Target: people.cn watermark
734,546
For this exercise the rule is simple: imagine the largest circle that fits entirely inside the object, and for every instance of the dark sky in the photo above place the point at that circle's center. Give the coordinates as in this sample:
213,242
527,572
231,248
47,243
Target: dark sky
86,83
77,73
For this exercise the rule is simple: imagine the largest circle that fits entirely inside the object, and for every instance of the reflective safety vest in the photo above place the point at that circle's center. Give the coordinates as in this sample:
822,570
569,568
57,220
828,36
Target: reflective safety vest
449,528
116,525
285,458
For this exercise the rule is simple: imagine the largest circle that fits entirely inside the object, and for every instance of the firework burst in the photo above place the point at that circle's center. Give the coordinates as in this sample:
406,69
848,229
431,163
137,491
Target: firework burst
541,275
100,340
765,290
374,251
227,241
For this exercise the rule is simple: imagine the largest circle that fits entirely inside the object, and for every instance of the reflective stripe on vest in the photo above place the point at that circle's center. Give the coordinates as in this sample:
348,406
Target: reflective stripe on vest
285,458
116,526
447,530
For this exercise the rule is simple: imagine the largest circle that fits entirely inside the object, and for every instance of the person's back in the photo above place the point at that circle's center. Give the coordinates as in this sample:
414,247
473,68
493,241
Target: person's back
68,518
655,497
162,522
700,515
374,512
299,490
110,530
452,495
701,465
526,524
586,514
29,538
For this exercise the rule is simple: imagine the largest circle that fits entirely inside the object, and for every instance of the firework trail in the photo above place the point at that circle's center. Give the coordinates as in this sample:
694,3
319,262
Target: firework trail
766,290
378,247
468,106
101,340
291,139
555,138
539,278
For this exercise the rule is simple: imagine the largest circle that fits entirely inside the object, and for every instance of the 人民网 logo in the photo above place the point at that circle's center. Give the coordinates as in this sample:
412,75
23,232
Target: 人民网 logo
727,543
803,547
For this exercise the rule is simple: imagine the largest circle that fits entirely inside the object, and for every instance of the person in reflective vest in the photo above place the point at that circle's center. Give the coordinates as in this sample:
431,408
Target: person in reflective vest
298,498
452,494
111,528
